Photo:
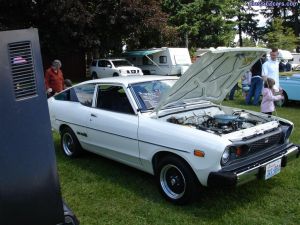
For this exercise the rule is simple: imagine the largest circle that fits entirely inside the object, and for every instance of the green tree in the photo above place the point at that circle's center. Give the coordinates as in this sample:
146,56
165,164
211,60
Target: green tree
247,23
203,23
288,11
92,25
280,37
249,42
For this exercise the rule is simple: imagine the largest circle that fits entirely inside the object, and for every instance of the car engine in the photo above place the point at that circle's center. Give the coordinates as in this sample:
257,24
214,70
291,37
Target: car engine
219,123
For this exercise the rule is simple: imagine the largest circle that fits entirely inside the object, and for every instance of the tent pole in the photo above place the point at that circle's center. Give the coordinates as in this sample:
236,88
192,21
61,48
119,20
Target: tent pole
155,63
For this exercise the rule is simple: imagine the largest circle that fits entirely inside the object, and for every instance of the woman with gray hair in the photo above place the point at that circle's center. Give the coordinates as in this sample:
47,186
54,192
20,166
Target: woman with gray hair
54,79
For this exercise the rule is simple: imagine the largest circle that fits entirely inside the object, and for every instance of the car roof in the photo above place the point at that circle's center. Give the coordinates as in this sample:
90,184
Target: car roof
126,80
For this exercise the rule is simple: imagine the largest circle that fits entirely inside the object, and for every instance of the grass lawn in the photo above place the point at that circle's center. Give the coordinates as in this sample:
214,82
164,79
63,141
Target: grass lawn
101,191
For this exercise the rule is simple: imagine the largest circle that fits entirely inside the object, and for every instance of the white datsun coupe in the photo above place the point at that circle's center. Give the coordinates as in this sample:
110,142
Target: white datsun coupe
175,128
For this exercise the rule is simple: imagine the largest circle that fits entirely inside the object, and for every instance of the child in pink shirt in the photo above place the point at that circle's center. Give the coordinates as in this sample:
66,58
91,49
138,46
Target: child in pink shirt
267,104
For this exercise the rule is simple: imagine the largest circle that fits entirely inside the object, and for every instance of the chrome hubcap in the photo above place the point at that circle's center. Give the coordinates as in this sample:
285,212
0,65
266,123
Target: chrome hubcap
68,144
172,181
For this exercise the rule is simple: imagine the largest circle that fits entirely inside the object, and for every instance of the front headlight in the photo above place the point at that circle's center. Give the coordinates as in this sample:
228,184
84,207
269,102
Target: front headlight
225,156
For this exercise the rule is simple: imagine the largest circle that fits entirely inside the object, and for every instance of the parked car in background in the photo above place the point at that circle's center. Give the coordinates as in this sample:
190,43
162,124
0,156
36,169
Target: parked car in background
175,128
297,68
291,87
295,61
161,61
101,68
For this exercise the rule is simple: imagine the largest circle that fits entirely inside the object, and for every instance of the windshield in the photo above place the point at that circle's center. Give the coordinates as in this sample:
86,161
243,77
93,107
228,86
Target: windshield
119,63
149,93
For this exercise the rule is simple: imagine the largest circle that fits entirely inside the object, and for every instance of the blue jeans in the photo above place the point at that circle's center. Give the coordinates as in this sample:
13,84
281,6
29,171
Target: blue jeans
255,90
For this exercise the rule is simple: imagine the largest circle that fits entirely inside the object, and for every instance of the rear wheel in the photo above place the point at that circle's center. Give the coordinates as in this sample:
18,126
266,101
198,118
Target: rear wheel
115,75
94,75
69,143
176,180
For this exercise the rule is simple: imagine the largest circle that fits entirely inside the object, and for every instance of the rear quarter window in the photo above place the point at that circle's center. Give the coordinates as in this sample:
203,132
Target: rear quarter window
85,94
67,95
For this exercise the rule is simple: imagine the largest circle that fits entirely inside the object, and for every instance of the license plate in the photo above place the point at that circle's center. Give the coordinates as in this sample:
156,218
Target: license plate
272,169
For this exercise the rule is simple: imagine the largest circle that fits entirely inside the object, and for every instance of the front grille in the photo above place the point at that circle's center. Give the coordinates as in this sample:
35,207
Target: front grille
264,143
132,71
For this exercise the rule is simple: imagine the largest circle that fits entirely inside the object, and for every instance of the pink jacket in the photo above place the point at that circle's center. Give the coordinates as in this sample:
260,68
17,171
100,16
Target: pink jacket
267,103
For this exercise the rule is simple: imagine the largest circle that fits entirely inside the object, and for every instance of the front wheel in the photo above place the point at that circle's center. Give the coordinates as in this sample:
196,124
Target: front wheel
285,99
69,143
176,180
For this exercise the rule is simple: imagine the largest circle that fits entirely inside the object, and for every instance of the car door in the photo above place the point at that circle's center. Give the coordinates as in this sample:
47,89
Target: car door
72,109
107,69
101,68
112,131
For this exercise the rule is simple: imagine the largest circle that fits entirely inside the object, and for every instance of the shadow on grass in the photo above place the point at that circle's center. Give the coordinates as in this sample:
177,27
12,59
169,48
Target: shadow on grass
216,202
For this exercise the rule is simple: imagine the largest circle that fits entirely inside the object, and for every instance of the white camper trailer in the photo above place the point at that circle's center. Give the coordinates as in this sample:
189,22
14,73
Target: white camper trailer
285,55
160,61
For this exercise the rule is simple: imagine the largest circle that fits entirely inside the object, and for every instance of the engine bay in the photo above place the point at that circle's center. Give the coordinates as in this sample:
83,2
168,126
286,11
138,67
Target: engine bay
217,121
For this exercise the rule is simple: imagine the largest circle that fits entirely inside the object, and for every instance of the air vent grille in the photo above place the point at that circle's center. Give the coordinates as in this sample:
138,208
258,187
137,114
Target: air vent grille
22,69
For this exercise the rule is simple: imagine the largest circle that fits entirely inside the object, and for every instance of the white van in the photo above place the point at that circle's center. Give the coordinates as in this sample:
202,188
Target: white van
160,61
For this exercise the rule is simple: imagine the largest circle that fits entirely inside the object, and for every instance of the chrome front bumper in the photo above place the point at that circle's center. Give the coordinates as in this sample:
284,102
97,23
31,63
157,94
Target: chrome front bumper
252,172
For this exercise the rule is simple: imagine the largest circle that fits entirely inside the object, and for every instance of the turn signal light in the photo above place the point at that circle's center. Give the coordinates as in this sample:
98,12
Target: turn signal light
199,153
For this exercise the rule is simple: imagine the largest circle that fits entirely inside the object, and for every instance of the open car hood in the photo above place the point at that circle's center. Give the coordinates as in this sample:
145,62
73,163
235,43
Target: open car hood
211,77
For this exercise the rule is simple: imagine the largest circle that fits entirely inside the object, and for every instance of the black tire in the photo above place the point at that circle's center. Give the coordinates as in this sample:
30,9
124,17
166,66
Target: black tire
115,75
70,220
94,76
176,180
146,72
285,99
69,143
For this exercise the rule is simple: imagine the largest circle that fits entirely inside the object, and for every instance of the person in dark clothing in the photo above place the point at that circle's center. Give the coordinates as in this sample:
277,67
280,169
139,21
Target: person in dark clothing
256,83
232,91
67,83
288,66
282,67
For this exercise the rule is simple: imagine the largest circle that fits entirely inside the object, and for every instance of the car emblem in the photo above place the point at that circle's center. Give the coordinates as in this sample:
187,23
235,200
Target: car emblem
266,140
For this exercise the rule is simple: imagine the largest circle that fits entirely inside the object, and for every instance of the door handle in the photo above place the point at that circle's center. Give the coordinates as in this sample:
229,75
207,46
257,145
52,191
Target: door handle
93,115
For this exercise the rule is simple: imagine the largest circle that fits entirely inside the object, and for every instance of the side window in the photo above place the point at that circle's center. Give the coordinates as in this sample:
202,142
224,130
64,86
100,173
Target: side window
108,64
94,63
68,95
113,98
163,59
101,63
84,94
147,61
64,96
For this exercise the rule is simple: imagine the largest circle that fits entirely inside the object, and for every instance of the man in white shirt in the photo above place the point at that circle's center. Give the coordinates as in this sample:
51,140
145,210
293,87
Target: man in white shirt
271,68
